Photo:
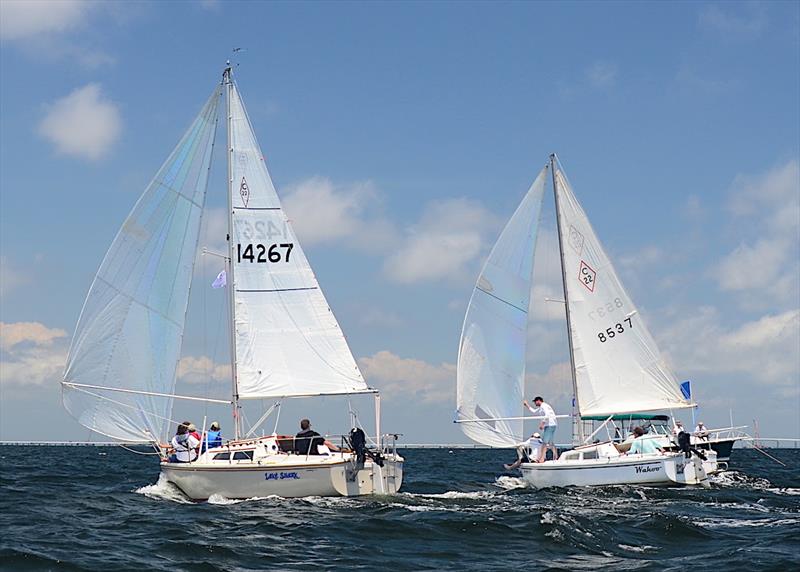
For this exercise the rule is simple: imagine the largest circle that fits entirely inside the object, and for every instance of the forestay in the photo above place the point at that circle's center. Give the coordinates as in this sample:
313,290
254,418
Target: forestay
129,333
617,364
287,339
491,358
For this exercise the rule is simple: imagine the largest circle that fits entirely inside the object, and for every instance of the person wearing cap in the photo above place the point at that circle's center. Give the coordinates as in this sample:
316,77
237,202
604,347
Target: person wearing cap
529,451
548,425
700,431
213,437
307,441
184,445
678,429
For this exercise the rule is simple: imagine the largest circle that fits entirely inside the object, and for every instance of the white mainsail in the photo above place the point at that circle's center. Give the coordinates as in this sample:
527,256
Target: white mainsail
128,337
491,358
618,367
287,340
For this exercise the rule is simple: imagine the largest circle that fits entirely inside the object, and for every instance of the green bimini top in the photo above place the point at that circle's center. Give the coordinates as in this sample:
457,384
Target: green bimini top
627,417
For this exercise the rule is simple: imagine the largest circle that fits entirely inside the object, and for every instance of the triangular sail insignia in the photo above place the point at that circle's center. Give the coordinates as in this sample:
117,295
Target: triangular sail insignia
618,366
287,339
491,358
129,333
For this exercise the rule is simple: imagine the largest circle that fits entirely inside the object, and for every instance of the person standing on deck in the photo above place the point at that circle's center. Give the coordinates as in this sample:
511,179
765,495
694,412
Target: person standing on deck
548,425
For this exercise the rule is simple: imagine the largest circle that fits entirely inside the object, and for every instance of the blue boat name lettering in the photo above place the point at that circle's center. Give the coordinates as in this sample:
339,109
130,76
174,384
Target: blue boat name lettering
648,469
281,476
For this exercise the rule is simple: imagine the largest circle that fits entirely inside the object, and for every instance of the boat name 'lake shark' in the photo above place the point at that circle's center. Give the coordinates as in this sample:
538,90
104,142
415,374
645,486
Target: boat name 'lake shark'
281,476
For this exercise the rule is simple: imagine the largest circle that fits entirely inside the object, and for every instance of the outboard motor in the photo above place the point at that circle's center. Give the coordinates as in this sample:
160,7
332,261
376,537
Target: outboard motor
358,442
685,446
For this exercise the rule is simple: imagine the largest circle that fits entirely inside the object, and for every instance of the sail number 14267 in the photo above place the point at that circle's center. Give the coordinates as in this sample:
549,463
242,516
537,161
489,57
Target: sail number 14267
263,252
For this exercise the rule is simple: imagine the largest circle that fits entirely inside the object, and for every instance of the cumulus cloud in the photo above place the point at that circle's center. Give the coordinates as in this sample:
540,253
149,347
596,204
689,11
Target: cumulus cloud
761,351
409,378
202,370
766,210
55,29
31,354
450,235
83,124
20,19
323,212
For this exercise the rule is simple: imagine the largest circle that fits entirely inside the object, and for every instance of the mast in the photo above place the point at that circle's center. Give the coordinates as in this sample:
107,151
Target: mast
227,79
577,428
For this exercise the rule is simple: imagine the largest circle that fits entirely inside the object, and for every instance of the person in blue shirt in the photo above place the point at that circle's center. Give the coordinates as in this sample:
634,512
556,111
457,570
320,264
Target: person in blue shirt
213,437
641,445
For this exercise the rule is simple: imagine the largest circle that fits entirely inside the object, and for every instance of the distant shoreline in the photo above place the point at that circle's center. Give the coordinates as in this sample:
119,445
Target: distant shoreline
763,443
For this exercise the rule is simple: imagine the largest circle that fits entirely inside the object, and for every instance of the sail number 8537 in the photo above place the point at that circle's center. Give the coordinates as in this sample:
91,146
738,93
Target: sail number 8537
617,328
263,252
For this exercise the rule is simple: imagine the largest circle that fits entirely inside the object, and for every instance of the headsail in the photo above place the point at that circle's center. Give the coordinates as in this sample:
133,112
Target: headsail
617,364
287,339
129,333
491,357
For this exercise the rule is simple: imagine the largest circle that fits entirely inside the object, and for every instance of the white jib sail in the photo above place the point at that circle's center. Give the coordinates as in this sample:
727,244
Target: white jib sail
129,333
491,357
618,366
288,341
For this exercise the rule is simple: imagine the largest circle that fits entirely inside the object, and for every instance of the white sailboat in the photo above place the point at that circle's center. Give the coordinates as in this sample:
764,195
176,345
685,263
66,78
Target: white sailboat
615,364
285,341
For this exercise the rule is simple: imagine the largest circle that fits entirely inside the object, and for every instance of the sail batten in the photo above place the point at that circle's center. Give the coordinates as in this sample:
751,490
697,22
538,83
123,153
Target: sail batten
491,357
287,340
130,329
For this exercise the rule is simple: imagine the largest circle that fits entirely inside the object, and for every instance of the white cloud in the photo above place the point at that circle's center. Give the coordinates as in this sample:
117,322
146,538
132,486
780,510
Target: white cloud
322,212
411,379
202,370
82,124
602,75
450,235
767,217
21,19
32,354
758,352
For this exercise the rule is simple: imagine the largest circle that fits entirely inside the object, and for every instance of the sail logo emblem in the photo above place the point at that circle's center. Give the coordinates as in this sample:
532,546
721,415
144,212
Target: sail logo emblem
575,240
587,276
244,192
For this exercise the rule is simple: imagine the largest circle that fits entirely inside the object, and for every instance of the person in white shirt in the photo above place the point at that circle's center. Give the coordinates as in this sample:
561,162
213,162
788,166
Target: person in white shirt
548,425
528,451
185,445
700,431
678,429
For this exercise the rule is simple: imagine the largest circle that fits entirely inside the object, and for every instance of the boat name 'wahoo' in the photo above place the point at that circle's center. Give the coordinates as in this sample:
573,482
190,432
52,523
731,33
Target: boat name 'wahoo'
280,476
648,469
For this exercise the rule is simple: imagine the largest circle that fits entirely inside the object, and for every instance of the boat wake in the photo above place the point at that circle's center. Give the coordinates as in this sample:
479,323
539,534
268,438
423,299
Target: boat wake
163,490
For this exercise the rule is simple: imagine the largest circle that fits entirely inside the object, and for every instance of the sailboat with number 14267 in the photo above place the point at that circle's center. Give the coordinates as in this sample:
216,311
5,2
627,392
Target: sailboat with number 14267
284,339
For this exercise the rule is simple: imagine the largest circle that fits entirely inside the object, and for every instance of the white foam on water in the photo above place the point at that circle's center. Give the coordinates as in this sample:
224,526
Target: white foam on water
163,490
638,549
786,491
739,523
510,483
456,495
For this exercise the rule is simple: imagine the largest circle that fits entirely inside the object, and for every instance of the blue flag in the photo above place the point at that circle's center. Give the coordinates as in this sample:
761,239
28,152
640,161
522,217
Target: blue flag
686,389
220,281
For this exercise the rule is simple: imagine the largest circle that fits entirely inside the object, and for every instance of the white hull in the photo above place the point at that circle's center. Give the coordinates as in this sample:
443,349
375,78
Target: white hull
651,469
281,474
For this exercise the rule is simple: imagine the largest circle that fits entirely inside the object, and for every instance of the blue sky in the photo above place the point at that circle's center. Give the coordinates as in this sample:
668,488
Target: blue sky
401,136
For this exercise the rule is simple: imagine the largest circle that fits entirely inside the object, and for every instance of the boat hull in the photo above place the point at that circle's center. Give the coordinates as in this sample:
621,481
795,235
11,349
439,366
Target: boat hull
651,470
329,479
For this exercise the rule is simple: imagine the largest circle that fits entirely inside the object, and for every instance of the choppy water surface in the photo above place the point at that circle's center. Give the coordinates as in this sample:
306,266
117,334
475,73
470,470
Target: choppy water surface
88,508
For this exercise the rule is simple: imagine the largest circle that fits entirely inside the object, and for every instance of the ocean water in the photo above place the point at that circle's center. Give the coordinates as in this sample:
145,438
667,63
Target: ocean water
91,508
